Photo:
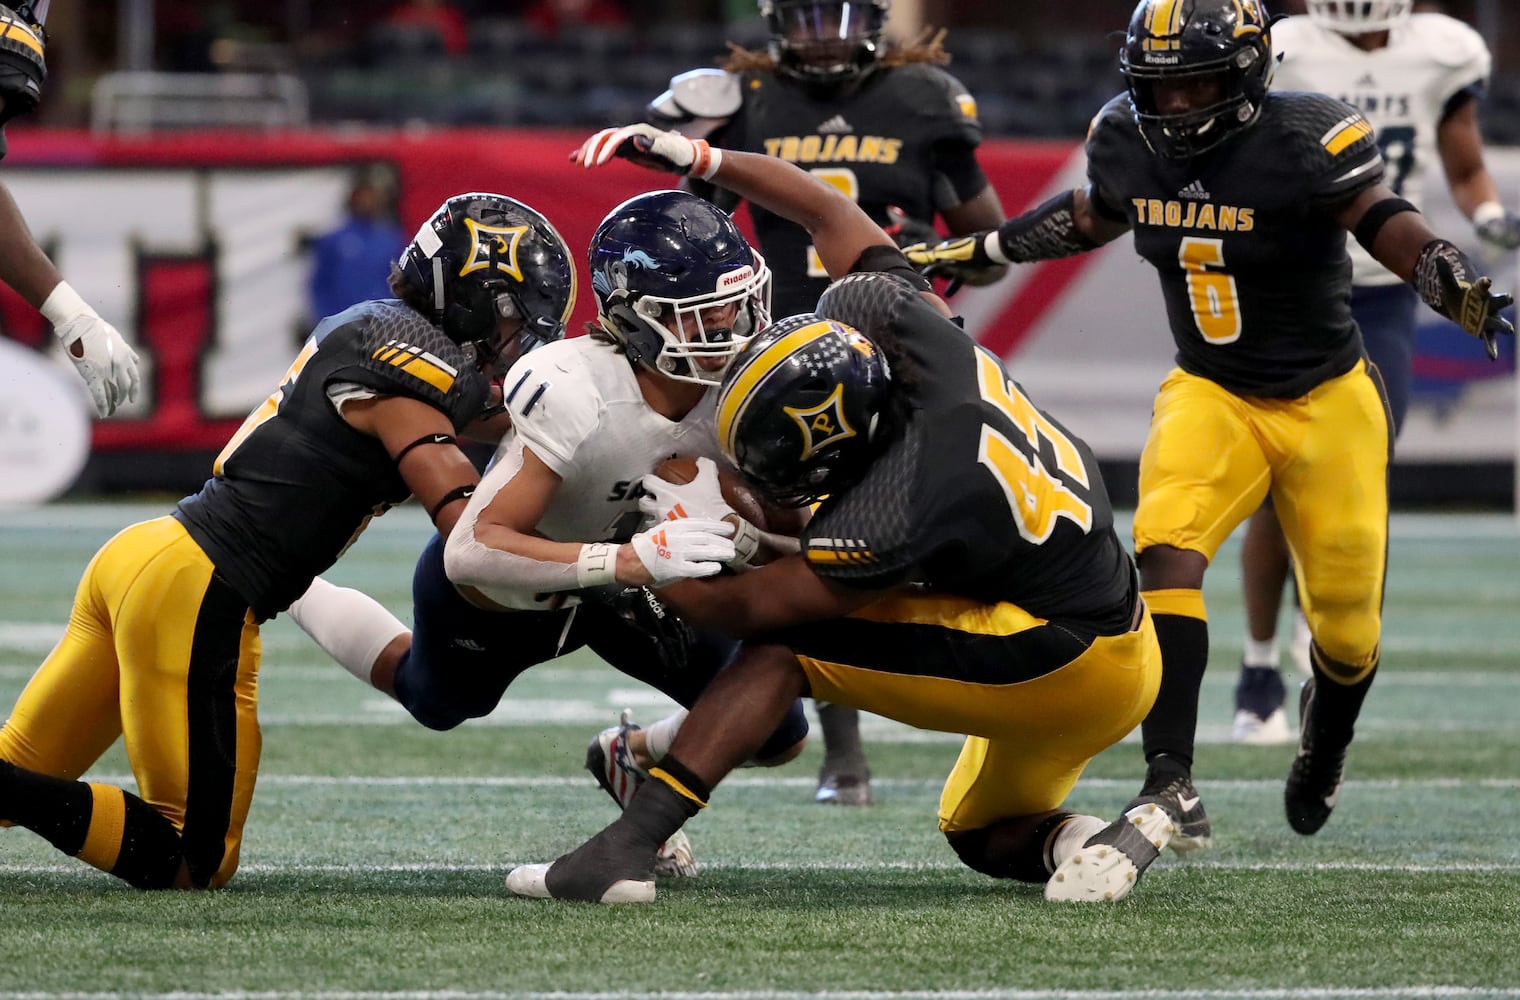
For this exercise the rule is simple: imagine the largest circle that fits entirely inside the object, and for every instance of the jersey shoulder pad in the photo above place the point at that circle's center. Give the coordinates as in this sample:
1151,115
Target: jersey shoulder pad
402,354
698,102
1450,43
935,94
1113,140
1326,141
554,397
867,300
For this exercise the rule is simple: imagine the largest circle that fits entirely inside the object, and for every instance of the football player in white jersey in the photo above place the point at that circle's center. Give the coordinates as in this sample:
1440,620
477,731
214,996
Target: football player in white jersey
1417,78
548,556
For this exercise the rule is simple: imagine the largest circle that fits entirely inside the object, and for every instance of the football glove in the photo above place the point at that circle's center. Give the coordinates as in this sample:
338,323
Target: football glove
650,147
906,230
671,638
1450,285
965,260
1497,226
683,549
105,362
702,497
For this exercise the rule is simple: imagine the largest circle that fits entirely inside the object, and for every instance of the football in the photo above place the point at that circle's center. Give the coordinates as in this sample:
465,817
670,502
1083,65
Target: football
745,501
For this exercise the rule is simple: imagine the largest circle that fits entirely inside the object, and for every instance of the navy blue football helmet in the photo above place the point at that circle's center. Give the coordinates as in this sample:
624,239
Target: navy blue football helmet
825,42
799,409
1182,41
484,257
660,264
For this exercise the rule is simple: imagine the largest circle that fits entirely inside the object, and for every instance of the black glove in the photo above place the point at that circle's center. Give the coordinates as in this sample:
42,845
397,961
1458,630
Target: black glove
671,637
1450,285
906,230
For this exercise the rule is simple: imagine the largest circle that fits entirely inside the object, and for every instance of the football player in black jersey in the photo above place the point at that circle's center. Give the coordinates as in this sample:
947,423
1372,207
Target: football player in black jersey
99,353
1242,200
162,647
887,126
961,572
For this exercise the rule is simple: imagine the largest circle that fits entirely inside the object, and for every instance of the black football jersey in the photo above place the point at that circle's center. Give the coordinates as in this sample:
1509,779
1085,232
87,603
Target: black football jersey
296,484
878,144
1253,266
983,496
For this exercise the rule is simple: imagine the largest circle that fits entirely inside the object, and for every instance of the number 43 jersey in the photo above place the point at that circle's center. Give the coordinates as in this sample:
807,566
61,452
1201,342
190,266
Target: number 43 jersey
983,495
1404,89
1252,262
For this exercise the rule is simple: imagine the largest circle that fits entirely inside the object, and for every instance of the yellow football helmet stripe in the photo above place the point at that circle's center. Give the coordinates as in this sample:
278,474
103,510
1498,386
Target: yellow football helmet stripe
19,32
753,371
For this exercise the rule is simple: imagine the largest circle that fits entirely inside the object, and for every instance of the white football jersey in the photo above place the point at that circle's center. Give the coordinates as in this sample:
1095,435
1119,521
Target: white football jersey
577,406
1402,89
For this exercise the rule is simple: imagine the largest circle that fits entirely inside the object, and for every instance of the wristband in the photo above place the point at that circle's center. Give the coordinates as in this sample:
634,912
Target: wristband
993,246
596,565
63,304
706,160
746,542
1489,211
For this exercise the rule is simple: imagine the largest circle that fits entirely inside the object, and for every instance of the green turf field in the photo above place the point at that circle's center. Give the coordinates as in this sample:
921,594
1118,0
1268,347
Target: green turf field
374,857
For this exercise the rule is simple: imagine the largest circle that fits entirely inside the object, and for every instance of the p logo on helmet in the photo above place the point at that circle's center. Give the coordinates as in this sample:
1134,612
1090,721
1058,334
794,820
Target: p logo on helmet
493,246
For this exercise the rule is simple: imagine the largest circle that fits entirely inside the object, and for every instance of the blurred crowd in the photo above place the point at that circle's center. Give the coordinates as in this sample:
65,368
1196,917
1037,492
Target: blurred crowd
1036,69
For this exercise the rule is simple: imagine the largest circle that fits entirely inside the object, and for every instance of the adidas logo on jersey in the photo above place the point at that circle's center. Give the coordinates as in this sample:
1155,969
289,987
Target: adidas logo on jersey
835,125
1195,191
1366,81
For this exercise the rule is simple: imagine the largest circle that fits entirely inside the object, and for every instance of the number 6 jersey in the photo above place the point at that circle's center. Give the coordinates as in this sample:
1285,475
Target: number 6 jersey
1405,90
1253,265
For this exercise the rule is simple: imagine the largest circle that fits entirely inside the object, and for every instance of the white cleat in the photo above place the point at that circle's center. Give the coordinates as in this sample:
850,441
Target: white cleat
532,881
1252,730
1107,867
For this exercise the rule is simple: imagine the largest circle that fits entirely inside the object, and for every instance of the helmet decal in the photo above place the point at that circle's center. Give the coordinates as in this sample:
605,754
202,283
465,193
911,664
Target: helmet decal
1163,21
677,285
822,425
746,376
493,246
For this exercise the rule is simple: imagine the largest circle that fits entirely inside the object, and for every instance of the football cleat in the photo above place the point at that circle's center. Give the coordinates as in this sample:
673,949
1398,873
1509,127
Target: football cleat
1314,780
610,761
1173,791
532,881
1107,867
844,789
1253,730
1259,715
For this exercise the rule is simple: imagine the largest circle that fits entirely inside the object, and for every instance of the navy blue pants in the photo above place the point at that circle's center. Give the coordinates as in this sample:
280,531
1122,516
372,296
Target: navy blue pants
462,658
1386,315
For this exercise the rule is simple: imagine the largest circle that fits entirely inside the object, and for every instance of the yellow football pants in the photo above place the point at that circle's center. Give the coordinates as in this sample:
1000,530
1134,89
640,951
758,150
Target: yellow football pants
159,653
1212,458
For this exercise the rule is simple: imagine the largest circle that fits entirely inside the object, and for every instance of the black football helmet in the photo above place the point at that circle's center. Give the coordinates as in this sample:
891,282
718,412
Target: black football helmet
799,409
827,42
658,262
23,63
1184,41
483,257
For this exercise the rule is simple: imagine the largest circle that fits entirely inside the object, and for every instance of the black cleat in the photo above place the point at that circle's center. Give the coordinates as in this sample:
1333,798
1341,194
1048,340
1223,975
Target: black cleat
1173,791
1314,780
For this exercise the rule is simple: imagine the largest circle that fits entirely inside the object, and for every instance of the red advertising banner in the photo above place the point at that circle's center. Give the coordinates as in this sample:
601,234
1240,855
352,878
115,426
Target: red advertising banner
193,243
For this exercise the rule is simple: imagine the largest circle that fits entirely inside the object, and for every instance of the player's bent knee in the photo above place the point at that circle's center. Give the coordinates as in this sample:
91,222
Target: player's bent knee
789,754
975,849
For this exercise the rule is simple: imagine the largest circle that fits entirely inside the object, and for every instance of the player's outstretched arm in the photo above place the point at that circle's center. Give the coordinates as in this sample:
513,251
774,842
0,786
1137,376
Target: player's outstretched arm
105,362
1472,186
1064,226
841,231
1396,234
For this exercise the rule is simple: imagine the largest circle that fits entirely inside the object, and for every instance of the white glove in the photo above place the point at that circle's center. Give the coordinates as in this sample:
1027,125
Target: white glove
702,497
684,548
650,147
105,362
1497,225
